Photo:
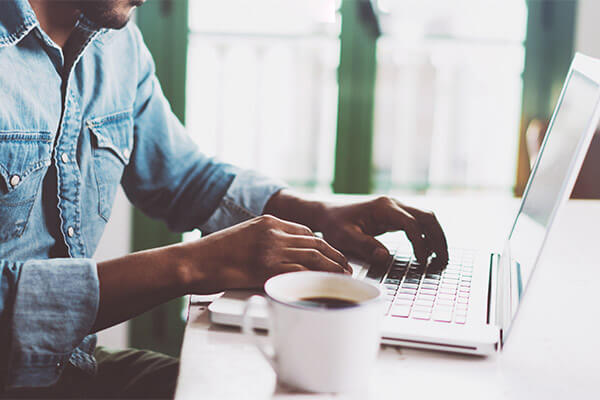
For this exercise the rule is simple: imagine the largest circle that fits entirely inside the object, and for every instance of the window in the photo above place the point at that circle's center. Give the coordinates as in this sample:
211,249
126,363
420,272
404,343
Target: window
262,90
262,85
448,94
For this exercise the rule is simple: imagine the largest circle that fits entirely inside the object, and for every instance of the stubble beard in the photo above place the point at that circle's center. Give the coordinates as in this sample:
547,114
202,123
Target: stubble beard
113,14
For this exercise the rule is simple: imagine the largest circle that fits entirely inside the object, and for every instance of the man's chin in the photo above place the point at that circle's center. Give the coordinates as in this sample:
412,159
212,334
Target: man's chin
112,14
110,23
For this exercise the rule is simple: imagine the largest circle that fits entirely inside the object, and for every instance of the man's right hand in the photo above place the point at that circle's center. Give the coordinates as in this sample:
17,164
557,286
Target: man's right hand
247,254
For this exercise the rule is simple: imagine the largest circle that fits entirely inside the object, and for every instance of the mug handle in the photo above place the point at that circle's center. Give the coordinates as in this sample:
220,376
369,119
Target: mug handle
266,350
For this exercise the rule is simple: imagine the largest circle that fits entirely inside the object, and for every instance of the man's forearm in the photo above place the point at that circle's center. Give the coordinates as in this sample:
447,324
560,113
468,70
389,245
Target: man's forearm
135,283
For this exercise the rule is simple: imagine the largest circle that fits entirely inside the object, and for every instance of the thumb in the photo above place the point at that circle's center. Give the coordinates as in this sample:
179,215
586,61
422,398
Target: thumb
368,248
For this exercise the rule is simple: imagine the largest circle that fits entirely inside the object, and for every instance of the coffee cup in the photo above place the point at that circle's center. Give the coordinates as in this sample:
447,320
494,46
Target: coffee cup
324,330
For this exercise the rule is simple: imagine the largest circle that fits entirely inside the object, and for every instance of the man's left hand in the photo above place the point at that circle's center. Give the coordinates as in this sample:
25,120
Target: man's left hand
351,228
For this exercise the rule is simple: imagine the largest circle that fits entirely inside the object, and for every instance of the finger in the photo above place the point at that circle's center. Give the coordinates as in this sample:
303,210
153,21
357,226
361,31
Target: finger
288,267
312,259
294,228
367,247
313,242
420,248
433,232
402,219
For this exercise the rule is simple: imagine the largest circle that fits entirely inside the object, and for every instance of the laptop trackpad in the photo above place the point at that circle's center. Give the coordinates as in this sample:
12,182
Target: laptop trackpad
229,309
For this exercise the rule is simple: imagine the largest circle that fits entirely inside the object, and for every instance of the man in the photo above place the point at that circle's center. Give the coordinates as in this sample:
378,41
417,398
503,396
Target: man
82,111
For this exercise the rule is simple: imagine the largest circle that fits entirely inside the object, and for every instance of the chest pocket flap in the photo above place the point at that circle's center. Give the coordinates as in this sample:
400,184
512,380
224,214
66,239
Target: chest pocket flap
112,144
21,154
114,133
24,158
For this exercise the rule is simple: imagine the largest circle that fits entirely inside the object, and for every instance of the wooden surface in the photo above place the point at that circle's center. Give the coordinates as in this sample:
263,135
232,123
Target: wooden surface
552,351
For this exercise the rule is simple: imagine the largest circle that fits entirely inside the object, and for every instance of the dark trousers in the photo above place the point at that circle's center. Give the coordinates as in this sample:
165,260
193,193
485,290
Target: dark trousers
121,375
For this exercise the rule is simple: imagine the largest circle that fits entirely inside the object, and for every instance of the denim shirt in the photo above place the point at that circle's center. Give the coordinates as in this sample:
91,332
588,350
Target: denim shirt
81,127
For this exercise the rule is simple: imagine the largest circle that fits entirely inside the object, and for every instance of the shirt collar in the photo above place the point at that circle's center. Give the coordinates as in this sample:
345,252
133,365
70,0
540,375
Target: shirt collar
16,20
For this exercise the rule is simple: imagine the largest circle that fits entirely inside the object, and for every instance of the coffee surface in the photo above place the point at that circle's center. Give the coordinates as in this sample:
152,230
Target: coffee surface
325,302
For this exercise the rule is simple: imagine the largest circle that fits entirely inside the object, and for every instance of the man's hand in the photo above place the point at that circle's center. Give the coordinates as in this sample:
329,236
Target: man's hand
247,254
243,256
350,228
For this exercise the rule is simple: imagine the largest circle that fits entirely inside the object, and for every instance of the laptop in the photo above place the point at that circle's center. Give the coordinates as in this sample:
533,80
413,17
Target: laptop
469,305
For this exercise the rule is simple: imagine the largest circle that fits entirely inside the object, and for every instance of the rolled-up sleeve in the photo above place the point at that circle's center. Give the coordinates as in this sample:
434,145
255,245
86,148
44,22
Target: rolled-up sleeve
50,307
246,198
170,179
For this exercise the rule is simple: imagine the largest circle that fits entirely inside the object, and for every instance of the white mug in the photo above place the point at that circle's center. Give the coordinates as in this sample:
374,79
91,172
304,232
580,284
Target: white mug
320,349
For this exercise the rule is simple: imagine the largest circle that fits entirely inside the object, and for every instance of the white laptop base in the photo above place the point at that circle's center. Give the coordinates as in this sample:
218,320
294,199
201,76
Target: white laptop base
473,336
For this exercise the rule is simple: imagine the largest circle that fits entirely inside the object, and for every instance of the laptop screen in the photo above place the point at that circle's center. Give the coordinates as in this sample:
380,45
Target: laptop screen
548,178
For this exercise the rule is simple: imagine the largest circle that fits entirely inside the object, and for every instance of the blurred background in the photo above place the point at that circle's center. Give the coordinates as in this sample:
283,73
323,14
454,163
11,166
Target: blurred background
357,96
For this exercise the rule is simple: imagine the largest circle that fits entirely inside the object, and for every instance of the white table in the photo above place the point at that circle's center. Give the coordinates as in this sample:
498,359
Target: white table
552,353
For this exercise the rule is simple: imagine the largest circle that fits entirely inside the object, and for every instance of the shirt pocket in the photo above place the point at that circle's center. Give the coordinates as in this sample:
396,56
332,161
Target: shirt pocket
112,143
24,159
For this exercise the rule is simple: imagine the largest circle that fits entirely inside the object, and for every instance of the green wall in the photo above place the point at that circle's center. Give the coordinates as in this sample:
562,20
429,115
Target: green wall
164,26
356,80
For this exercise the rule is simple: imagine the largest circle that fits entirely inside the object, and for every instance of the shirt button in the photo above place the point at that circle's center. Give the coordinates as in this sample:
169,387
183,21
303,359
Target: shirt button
64,157
70,231
15,180
126,153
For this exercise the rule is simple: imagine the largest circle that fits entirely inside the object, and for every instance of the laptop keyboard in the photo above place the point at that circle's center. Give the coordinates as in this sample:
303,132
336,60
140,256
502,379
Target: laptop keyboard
414,290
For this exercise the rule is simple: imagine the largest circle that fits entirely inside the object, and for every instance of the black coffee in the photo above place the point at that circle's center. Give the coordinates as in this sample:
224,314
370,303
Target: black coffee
325,302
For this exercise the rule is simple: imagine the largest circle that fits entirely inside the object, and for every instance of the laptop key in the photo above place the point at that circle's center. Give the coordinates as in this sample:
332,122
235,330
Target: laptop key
450,281
395,275
409,286
426,296
451,275
452,269
442,316
400,311
424,303
426,291
423,315
403,302
392,281
446,296
407,291
423,306
447,291
405,296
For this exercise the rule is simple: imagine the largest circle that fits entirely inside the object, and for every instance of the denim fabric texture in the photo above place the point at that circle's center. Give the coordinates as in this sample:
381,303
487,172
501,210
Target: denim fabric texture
90,123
